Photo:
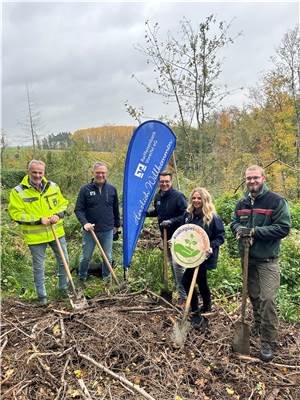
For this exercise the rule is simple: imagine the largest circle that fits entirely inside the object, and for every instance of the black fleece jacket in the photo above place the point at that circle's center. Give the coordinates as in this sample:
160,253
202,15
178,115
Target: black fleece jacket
168,205
99,207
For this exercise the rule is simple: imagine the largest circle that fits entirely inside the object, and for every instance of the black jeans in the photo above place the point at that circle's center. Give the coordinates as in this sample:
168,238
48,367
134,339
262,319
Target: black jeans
202,284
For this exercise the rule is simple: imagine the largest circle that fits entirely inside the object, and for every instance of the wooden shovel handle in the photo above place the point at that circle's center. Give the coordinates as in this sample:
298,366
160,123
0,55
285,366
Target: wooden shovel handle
104,257
246,246
165,270
62,256
190,294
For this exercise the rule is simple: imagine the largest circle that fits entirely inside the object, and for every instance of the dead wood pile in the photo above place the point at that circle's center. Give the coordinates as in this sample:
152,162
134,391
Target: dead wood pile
121,348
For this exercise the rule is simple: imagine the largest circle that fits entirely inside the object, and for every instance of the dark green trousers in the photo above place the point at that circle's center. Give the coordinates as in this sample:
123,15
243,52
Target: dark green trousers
263,285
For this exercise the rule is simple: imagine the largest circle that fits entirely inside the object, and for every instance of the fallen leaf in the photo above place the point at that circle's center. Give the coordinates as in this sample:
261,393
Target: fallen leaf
78,373
230,391
74,393
56,330
200,382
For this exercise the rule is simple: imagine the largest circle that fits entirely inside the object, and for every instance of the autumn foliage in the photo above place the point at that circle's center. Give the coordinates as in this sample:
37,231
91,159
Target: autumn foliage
105,138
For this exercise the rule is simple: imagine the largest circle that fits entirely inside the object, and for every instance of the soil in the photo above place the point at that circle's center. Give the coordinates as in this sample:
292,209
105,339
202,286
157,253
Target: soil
53,352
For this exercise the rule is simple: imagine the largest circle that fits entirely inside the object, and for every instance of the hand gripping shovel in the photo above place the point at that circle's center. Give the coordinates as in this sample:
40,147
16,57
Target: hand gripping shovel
241,338
79,301
181,329
165,292
105,259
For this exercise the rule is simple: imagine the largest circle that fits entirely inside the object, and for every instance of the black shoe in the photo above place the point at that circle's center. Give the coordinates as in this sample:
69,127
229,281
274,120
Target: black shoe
204,309
266,351
255,329
198,322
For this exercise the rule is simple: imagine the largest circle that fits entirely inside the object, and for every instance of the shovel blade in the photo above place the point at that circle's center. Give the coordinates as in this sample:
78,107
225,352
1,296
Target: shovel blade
241,338
180,332
78,302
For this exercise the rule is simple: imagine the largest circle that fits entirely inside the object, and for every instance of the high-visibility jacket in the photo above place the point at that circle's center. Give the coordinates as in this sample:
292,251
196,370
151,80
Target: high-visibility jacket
27,206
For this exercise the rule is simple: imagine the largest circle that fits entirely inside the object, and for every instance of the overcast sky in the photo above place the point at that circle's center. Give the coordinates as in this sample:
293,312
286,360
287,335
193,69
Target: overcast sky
78,58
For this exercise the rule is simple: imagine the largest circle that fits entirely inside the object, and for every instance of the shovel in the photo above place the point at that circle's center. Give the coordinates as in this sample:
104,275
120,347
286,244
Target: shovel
165,292
181,329
103,255
241,338
80,301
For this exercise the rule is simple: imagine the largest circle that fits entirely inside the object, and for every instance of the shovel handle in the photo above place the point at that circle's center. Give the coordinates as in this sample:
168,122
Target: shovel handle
165,270
246,245
62,256
190,294
103,255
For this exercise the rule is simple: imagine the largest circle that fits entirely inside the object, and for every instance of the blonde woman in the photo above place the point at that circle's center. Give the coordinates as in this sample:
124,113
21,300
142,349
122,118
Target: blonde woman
201,212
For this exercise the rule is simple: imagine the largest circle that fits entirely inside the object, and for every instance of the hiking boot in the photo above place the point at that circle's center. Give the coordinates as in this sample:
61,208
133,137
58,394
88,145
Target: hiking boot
204,309
266,351
198,322
255,329
43,301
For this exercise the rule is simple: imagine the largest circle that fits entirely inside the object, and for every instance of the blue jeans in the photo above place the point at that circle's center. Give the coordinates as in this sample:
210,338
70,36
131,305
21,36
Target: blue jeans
38,267
88,246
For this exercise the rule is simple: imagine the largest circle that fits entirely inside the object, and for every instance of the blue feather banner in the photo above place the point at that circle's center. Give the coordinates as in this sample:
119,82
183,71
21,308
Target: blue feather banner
149,151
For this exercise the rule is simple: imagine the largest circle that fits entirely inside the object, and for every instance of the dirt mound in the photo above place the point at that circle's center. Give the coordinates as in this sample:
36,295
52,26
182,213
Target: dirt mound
150,238
55,353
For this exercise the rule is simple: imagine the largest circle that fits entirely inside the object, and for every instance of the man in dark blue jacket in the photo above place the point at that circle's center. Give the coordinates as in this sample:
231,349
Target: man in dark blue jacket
169,203
97,209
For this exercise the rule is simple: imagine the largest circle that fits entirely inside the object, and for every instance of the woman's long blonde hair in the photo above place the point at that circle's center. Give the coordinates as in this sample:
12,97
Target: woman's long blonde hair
208,208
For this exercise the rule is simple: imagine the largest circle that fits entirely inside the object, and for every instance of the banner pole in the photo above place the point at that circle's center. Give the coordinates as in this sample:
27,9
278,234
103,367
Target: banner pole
125,273
176,172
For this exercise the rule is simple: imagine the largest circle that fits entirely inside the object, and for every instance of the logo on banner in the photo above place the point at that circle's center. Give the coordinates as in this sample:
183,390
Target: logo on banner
189,245
139,172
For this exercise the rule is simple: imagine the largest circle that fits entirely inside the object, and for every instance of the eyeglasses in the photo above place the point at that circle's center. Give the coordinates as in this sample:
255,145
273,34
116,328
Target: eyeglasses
164,182
254,178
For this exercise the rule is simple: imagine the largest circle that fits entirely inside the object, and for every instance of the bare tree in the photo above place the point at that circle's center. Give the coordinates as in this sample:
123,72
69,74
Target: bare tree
287,64
188,69
32,122
3,145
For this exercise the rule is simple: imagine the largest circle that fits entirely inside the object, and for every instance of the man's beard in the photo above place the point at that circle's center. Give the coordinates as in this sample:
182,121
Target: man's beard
255,189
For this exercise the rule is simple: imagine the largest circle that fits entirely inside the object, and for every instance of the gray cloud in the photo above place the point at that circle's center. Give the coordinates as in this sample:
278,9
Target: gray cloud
78,58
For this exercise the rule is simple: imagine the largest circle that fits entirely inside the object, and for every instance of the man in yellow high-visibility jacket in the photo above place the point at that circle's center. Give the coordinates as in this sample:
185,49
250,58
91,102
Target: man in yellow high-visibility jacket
35,204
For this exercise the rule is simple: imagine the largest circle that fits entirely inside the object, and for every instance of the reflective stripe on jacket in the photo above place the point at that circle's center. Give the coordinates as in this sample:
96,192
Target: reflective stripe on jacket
27,206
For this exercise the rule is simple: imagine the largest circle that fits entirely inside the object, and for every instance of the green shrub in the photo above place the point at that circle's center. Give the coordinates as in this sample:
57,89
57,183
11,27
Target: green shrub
146,269
11,178
290,260
288,303
225,206
226,278
231,243
295,214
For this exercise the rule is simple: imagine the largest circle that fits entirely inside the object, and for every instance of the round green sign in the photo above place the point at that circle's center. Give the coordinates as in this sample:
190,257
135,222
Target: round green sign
189,245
